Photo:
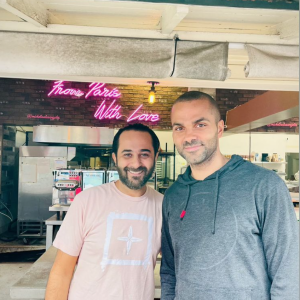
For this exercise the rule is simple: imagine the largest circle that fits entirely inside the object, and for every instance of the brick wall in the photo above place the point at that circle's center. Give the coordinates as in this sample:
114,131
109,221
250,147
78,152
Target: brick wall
20,98
229,99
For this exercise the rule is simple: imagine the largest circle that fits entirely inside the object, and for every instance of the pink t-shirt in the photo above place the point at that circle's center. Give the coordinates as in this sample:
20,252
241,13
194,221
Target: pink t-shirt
117,239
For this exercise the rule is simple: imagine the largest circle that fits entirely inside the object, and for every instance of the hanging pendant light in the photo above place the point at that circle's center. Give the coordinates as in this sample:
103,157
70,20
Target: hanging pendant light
151,98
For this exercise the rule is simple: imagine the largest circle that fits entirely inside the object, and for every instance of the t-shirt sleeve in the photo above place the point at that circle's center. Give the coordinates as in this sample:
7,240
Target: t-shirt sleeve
69,238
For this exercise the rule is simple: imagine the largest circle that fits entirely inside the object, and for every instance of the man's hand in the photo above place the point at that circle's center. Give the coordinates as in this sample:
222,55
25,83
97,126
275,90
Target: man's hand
60,276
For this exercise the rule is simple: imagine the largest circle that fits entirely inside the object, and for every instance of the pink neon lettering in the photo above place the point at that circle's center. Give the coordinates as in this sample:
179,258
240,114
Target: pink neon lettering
113,112
96,90
146,117
283,125
155,118
103,112
108,113
43,117
58,90
132,117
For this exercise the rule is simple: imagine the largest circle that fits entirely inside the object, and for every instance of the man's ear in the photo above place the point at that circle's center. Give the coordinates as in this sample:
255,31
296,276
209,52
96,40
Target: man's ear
156,156
114,158
220,128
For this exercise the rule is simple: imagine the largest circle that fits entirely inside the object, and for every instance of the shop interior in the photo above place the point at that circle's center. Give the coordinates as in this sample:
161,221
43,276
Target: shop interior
41,174
39,179
278,152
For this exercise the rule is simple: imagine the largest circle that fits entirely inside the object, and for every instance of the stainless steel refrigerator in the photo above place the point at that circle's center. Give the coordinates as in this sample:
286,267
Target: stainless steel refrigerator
36,164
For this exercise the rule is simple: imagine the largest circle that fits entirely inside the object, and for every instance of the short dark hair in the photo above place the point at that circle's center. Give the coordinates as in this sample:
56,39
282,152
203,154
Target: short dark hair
195,95
136,127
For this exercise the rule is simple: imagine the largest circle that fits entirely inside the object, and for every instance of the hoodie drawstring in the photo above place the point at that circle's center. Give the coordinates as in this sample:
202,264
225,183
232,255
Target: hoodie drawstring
186,203
185,179
216,199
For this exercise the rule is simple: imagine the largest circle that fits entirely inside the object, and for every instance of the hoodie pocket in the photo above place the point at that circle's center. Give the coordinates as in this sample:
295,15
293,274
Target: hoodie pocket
191,291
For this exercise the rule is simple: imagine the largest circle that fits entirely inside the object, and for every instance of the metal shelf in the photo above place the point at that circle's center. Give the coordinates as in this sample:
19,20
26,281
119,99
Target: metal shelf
269,162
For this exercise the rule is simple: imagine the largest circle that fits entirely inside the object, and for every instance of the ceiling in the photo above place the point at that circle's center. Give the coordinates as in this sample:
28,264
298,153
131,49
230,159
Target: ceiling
236,25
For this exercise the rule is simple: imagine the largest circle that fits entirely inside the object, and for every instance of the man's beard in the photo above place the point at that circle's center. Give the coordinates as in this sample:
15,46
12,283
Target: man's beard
137,182
205,155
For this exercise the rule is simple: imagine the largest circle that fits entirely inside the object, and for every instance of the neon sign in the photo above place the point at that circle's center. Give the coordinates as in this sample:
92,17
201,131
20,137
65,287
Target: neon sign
57,89
283,125
109,113
96,89
113,111
143,117
43,117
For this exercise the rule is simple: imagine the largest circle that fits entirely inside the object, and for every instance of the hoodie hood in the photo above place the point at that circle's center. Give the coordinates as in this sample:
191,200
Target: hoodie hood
187,180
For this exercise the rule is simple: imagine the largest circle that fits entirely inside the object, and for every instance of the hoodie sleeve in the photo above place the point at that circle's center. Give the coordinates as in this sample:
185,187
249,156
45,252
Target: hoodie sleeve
167,269
281,242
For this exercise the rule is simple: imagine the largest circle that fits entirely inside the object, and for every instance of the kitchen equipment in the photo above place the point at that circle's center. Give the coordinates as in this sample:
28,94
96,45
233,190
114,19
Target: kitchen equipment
97,163
66,184
112,175
92,178
36,164
87,135
7,165
92,162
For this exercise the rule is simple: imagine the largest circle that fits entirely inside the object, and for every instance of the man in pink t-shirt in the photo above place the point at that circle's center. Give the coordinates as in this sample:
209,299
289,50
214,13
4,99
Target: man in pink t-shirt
113,231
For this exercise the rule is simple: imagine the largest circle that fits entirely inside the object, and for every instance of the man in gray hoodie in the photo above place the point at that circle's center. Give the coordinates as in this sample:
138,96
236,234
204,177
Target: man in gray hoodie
229,227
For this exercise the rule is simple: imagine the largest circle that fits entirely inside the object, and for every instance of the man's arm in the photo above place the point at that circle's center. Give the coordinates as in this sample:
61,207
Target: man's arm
280,238
167,269
60,276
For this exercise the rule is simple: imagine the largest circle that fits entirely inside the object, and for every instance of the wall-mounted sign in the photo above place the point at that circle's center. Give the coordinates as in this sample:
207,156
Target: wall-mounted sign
95,89
113,111
291,125
58,89
52,118
99,89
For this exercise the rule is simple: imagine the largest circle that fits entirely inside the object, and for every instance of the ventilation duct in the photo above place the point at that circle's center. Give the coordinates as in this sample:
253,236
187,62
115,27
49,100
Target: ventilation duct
91,56
272,61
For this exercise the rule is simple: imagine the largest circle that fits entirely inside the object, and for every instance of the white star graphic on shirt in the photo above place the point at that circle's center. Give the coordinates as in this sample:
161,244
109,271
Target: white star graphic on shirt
129,240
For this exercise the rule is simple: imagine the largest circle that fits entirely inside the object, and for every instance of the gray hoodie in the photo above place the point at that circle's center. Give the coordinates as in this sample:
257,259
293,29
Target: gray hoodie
231,236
